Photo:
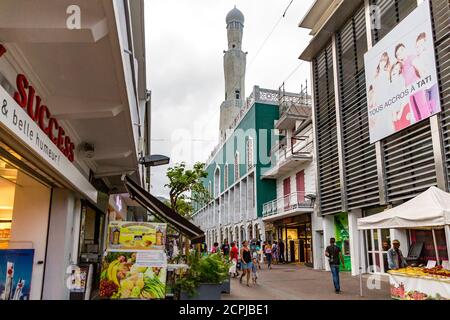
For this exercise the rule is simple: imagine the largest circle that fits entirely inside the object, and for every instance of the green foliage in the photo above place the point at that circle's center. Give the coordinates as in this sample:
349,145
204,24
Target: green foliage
183,207
183,181
210,269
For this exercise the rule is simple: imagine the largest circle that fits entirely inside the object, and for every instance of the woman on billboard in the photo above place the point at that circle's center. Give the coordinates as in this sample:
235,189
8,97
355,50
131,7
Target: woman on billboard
401,115
424,65
410,72
380,124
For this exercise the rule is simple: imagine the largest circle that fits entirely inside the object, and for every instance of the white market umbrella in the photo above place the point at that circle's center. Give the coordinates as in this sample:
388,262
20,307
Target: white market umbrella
430,209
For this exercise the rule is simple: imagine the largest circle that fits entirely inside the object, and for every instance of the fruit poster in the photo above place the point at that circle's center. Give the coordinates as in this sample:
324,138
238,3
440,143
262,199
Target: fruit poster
416,288
136,235
16,267
134,275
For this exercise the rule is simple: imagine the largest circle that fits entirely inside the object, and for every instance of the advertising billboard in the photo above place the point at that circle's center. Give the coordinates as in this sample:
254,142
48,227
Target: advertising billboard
127,235
16,267
401,77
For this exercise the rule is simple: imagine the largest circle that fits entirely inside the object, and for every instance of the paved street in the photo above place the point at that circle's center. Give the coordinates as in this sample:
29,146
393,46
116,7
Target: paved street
294,282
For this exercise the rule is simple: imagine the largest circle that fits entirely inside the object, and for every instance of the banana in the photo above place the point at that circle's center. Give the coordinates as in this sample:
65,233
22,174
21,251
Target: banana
114,274
112,266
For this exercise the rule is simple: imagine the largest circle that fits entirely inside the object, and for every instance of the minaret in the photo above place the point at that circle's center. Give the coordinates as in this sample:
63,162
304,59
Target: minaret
234,63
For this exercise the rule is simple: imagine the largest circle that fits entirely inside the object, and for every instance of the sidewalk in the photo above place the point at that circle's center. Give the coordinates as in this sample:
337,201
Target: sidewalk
294,282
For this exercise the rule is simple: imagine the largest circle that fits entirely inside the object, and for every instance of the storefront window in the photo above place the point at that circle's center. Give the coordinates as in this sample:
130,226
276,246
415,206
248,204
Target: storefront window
428,251
24,213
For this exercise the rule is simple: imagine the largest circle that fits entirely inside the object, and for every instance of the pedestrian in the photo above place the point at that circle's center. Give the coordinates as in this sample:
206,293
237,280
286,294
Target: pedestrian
268,252
246,263
226,248
258,254
252,246
275,252
215,248
395,257
334,254
254,270
281,251
170,250
234,256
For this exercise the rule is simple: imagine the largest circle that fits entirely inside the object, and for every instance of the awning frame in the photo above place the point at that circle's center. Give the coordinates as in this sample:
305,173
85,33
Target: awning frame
152,204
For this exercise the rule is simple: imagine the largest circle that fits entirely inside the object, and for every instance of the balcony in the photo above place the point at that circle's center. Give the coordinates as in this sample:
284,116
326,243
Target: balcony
293,108
290,205
286,159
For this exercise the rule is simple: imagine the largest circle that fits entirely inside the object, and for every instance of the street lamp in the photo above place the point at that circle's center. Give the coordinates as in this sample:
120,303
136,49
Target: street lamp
154,160
312,198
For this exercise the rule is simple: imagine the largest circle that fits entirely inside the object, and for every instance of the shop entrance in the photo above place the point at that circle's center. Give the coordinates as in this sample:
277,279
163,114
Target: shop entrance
24,214
297,240
377,243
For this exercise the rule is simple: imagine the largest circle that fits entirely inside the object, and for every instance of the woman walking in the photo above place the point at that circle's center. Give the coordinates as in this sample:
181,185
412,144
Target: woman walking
234,256
247,264
268,252
258,254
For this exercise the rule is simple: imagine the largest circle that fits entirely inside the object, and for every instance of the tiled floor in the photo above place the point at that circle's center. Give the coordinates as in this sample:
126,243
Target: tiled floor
294,282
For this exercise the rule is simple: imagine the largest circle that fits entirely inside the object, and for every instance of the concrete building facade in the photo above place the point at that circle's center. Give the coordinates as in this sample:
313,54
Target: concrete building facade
73,87
354,177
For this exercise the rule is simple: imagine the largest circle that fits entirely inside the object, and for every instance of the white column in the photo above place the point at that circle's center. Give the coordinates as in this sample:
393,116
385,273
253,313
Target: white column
328,232
59,246
355,241
262,231
447,237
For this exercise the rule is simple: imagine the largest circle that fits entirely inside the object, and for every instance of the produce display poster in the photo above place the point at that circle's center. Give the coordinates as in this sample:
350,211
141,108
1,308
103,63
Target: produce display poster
136,235
134,275
16,267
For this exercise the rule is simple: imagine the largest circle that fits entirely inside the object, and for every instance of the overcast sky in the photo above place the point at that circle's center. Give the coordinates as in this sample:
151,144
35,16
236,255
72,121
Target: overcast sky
185,43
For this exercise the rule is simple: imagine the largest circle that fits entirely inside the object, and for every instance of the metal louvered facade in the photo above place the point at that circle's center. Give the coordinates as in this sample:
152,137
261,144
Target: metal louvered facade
441,18
408,155
352,173
359,156
327,144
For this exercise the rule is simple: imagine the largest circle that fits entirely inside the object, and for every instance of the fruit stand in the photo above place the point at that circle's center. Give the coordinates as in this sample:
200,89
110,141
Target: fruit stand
431,211
414,283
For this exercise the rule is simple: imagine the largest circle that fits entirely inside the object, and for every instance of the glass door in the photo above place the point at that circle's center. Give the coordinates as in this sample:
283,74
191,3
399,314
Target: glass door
377,244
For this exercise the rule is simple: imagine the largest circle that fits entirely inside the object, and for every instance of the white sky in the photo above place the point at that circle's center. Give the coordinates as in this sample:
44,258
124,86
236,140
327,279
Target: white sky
185,43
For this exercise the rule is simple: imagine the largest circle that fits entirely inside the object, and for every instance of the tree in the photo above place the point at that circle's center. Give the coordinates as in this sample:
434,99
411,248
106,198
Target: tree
183,206
186,186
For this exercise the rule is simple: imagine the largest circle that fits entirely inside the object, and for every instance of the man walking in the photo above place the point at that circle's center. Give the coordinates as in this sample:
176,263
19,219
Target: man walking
226,248
281,250
334,255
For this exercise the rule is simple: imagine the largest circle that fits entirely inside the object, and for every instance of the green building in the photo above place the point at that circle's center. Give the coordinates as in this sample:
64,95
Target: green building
235,168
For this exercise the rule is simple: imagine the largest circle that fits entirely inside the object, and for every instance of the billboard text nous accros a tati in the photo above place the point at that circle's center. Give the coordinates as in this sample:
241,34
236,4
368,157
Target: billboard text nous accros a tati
401,77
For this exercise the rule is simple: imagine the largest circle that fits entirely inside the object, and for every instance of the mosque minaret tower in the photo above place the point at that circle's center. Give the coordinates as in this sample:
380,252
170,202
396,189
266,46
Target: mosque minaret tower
234,63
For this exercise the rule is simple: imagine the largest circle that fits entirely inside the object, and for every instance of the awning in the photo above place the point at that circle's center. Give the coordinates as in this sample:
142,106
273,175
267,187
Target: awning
429,209
151,203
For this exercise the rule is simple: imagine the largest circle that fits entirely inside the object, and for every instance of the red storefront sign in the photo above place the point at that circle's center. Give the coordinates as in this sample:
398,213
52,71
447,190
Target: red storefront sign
26,97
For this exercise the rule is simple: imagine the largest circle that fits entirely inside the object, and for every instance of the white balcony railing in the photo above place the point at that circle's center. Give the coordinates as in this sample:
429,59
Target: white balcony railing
293,201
